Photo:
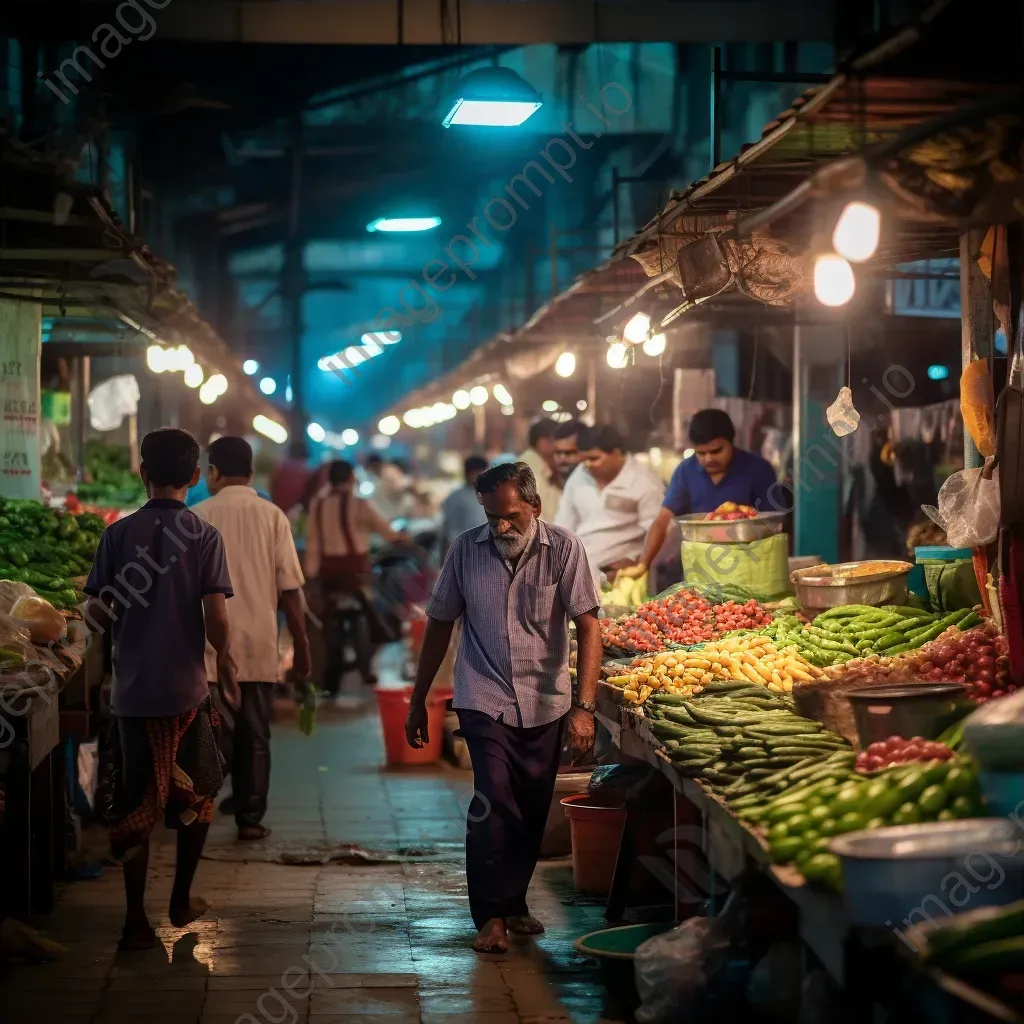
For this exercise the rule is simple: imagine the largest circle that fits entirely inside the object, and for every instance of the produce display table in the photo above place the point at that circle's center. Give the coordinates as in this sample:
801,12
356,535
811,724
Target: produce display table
873,966
32,771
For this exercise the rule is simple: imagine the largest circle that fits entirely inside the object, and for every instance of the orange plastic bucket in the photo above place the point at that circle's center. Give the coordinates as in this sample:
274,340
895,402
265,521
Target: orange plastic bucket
417,630
394,703
596,833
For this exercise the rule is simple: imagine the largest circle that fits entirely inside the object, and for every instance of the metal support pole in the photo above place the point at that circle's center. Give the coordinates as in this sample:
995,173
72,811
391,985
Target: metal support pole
975,319
293,278
479,426
591,416
799,394
80,387
134,455
553,257
716,102
615,205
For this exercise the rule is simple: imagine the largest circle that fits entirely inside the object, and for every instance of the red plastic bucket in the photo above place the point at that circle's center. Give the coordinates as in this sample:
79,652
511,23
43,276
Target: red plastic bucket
394,703
596,833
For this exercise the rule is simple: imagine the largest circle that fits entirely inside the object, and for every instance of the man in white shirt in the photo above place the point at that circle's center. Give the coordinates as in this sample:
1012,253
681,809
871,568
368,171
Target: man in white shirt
540,457
261,556
610,501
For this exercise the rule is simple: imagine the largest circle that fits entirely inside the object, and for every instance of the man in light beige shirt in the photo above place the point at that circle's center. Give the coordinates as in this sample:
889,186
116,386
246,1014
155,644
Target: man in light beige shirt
266,573
540,457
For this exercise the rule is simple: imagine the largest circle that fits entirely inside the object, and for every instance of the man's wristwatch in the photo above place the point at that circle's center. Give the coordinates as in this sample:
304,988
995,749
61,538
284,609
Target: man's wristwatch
587,705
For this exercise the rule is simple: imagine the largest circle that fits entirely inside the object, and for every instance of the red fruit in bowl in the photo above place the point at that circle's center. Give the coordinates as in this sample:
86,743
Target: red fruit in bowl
874,762
877,749
895,743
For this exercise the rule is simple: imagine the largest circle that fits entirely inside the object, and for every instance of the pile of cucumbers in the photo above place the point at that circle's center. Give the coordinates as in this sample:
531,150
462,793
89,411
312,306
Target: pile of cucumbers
983,946
742,740
857,630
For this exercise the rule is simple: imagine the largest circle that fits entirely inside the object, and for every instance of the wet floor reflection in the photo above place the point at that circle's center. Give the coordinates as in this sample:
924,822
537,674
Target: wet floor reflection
285,944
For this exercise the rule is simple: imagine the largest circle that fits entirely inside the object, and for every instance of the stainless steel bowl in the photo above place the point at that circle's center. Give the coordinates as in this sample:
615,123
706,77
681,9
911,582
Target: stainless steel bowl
697,527
917,709
896,877
885,588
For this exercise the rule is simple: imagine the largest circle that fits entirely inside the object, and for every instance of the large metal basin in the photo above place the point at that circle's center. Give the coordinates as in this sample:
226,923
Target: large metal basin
883,588
696,527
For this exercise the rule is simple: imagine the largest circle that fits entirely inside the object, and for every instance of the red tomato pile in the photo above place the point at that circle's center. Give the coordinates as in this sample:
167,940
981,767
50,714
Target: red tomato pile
632,635
684,617
897,750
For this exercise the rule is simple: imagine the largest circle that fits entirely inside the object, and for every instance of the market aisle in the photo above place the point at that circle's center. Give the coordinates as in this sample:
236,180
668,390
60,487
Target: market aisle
388,939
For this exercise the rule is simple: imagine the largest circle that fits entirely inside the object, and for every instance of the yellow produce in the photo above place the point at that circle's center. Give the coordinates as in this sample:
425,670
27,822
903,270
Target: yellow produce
749,659
626,593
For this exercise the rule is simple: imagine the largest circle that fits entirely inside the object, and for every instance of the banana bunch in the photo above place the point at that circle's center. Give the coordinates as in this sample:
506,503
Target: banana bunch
626,592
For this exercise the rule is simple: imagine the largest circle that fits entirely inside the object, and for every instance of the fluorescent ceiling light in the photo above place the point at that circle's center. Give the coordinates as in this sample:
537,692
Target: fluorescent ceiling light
404,224
270,428
494,97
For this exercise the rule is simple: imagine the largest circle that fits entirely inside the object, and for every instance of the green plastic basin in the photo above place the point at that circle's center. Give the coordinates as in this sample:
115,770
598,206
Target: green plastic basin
619,943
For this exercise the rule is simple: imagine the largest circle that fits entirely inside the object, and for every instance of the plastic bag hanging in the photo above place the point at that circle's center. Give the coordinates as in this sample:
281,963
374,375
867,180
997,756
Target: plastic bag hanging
968,508
112,400
842,417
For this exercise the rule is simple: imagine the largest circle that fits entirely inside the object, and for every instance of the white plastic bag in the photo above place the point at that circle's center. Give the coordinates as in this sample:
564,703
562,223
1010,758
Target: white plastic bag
672,968
112,400
968,508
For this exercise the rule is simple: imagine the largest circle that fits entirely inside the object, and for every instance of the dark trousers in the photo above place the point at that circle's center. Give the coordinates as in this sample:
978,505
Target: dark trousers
514,772
245,742
346,628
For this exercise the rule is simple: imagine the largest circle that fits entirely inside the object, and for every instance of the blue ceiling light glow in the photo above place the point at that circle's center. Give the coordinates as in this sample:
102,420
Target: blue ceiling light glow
268,385
936,372
404,224
288,394
250,366
493,97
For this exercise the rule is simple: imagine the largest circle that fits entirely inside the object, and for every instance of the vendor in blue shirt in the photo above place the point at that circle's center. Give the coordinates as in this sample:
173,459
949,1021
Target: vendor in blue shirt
716,472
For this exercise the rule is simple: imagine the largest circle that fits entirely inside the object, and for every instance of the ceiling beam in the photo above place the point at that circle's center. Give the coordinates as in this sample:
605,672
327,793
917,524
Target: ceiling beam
483,22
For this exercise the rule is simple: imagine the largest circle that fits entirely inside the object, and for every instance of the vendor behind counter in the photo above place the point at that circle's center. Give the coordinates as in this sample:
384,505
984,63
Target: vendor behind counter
717,472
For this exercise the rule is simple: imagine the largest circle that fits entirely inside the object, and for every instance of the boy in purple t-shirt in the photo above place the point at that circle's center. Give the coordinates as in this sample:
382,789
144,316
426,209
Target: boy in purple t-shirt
160,579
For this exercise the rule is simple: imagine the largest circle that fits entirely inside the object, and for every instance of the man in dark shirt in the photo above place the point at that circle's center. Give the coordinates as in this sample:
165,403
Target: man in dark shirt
160,579
716,472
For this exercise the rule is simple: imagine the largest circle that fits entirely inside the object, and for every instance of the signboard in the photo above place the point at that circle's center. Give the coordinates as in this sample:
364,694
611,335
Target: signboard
935,293
20,347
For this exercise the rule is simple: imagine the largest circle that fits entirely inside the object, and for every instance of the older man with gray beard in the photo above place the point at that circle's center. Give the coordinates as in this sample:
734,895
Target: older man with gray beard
516,584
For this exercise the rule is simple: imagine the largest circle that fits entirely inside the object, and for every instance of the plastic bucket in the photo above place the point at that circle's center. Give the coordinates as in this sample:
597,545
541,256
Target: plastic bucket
596,832
557,841
393,703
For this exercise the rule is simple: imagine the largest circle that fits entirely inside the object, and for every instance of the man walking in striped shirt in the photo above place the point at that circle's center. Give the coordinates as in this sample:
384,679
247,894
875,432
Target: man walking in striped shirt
516,584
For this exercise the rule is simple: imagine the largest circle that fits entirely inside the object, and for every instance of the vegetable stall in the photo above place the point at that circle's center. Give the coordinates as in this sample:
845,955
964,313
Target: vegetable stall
786,731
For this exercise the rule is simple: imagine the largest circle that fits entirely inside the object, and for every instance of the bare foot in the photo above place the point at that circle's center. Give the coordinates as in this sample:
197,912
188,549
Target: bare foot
527,924
253,833
492,937
184,914
137,935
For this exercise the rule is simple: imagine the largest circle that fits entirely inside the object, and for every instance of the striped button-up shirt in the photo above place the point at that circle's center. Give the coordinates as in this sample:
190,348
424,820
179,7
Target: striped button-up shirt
513,660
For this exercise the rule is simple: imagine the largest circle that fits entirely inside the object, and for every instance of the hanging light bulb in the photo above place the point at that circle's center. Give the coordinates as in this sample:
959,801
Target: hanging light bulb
478,395
461,399
834,283
501,394
194,376
550,405
389,426
857,232
654,345
637,328
218,384
349,436
618,355
565,366
207,394
156,358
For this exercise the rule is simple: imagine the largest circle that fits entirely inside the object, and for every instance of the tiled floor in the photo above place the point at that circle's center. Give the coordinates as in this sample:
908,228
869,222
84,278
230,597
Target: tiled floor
283,943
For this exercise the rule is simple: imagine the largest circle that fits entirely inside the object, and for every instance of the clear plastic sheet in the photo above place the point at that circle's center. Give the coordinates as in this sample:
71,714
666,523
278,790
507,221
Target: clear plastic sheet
673,968
968,508
842,417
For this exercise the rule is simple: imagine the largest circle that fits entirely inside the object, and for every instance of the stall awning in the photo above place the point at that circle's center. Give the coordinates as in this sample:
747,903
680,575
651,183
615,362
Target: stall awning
894,113
98,283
